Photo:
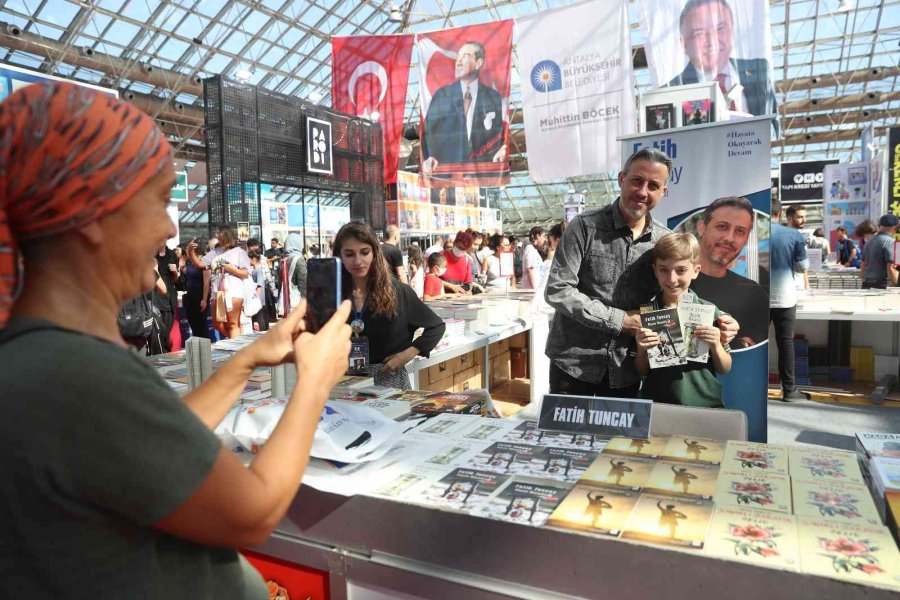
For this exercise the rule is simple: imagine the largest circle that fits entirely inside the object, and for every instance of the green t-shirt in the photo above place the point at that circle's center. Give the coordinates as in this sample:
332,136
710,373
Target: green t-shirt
690,384
98,449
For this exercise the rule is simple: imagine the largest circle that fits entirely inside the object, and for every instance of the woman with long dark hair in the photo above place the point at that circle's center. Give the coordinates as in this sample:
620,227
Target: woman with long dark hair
386,313
197,297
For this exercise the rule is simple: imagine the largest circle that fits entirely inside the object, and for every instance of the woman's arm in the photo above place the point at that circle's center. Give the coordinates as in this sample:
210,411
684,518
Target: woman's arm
419,315
160,285
205,300
238,506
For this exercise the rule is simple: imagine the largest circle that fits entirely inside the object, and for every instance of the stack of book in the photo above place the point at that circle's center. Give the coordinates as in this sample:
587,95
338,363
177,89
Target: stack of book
453,335
879,460
198,352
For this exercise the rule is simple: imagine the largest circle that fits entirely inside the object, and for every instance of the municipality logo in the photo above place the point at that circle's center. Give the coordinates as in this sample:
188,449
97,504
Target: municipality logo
546,77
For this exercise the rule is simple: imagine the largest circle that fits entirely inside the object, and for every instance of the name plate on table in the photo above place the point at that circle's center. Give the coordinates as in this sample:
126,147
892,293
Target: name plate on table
596,415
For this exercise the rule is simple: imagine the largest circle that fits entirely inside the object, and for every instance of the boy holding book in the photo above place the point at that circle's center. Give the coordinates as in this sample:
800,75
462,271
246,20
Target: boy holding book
676,263
434,285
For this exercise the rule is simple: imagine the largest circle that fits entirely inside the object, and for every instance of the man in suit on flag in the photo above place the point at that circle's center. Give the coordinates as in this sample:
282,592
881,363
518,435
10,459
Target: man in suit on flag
464,122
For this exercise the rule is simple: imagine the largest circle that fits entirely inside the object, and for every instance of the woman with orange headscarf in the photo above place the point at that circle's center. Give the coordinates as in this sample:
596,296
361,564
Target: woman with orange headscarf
113,486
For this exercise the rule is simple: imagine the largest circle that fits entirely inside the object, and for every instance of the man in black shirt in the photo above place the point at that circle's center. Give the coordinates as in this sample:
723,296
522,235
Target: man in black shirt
723,232
391,250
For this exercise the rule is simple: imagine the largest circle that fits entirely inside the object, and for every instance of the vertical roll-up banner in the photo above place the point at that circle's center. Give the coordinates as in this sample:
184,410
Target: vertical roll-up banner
893,182
719,160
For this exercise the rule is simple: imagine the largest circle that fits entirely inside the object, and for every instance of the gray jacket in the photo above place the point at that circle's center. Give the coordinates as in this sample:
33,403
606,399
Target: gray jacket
599,271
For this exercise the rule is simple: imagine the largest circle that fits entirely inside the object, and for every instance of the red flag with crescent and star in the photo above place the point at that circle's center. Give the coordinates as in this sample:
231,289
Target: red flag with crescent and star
369,79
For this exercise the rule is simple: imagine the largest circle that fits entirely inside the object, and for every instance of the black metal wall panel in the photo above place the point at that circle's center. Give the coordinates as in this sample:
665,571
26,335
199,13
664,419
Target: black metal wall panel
258,136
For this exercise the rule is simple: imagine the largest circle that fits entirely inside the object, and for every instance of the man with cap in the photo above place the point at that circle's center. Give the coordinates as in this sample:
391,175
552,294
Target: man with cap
877,266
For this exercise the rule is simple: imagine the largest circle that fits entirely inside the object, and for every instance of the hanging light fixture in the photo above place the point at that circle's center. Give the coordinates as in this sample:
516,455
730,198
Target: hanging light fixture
845,5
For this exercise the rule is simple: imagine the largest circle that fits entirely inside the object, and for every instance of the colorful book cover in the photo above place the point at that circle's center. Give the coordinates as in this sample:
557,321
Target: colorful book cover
878,444
463,489
859,553
679,521
652,447
694,449
615,469
755,457
670,351
693,315
597,509
886,473
505,457
683,478
525,501
834,465
834,501
760,537
754,489
561,464
452,402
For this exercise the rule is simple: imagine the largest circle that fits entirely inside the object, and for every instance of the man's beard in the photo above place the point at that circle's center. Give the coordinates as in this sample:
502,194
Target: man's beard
722,257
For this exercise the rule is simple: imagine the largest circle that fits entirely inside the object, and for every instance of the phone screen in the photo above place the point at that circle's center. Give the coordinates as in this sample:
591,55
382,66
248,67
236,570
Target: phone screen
323,291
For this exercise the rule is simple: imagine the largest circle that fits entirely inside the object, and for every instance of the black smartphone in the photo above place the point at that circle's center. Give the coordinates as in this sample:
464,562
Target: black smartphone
323,291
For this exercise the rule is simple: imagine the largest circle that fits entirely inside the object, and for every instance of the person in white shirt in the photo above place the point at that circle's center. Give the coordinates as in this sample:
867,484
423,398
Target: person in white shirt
438,246
532,260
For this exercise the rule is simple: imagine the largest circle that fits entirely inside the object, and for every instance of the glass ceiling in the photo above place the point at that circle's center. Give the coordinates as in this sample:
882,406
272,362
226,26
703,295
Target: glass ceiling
159,51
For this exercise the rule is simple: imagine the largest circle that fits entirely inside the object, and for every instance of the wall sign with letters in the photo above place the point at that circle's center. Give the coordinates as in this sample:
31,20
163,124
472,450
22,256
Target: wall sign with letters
596,415
318,147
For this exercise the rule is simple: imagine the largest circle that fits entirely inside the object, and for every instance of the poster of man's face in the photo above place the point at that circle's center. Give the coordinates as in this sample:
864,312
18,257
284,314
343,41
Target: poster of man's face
734,261
464,74
724,41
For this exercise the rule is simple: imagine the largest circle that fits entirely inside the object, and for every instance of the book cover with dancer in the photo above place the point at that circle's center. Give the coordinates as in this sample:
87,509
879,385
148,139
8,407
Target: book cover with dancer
683,478
618,470
695,449
669,520
597,509
652,447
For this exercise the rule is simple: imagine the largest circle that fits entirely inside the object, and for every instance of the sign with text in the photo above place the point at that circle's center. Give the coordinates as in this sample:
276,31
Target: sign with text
802,181
893,195
180,191
596,415
318,147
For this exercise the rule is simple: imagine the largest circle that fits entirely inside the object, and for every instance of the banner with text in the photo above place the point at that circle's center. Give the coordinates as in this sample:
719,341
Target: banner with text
577,88
464,74
596,415
722,160
893,169
369,79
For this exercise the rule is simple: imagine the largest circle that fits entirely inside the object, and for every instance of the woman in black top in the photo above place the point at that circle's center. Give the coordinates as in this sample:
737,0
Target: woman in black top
386,313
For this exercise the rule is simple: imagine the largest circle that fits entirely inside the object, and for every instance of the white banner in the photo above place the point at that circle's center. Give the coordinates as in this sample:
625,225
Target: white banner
577,88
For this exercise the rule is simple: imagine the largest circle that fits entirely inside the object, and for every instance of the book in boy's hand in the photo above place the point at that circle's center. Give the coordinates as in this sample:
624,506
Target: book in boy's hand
693,315
670,351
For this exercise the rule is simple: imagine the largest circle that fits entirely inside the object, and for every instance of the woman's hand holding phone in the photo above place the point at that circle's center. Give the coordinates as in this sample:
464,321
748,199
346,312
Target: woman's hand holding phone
321,358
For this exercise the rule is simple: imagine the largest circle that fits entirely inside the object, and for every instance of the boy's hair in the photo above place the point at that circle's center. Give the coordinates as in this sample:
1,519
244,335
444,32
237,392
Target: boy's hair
436,259
841,229
677,246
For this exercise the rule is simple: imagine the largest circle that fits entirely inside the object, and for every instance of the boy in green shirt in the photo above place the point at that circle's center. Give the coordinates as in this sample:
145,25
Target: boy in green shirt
676,263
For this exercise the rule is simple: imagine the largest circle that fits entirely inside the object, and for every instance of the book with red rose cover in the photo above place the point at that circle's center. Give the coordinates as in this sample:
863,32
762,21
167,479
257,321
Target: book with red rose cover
824,464
834,501
524,500
756,457
754,489
759,537
682,478
652,447
679,521
595,509
859,553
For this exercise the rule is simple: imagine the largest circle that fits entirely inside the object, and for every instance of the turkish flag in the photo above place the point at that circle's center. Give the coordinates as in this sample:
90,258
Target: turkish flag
369,79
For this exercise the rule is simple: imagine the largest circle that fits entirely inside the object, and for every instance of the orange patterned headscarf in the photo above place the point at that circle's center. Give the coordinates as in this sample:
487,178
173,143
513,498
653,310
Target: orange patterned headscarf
68,155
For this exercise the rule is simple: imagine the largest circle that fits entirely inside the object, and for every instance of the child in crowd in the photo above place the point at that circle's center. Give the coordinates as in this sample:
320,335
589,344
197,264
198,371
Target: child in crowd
676,263
434,285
